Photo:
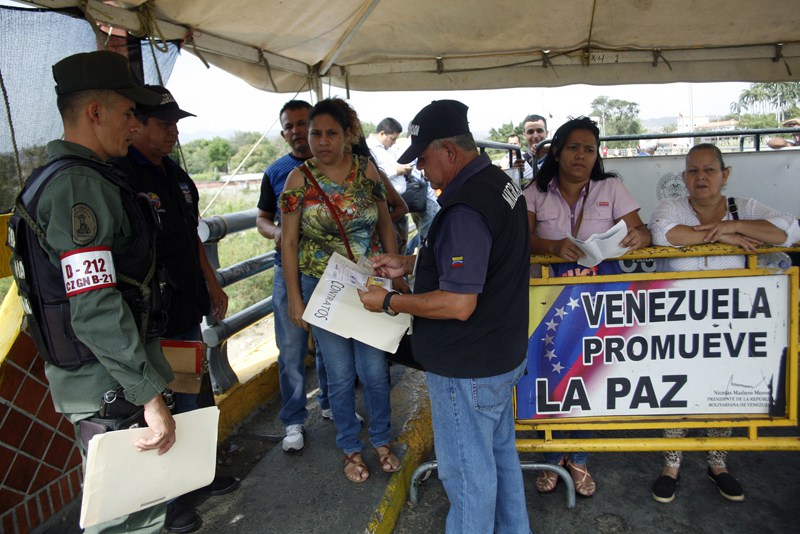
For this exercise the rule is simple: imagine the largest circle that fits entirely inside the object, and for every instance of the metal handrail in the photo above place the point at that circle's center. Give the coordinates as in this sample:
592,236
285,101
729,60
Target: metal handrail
217,333
742,134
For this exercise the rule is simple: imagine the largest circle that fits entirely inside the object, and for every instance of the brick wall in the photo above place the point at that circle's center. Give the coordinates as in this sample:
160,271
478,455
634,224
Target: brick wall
40,465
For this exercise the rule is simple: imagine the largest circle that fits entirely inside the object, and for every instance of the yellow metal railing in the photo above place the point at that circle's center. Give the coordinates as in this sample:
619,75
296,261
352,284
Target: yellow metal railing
535,435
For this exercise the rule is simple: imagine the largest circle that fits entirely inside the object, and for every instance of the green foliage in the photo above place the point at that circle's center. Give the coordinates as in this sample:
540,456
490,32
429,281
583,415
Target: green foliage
219,154
756,121
196,154
240,246
5,285
240,139
671,128
617,117
264,154
501,135
779,98
10,184
368,127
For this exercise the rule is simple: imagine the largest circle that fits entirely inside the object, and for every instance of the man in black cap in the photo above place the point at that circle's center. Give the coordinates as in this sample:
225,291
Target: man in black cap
179,250
470,308
82,250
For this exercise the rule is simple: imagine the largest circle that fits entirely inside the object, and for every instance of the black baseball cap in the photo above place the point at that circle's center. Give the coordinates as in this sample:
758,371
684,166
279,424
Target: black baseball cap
100,70
167,109
438,120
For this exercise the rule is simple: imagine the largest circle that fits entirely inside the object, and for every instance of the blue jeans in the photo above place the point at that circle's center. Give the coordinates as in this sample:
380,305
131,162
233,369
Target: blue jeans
343,359
577,458
292,344
473,430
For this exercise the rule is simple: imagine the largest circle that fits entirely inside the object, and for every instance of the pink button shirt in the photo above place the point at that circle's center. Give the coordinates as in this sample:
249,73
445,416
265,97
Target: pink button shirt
607,201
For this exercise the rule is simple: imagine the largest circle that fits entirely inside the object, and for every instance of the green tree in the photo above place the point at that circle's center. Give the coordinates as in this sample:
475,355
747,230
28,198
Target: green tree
240,139
196,155
781,98
502,133
617,117
10,183
755,121
263,155
219,154
368,127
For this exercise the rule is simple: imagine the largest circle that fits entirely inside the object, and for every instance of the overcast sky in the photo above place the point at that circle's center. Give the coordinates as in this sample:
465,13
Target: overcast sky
224,103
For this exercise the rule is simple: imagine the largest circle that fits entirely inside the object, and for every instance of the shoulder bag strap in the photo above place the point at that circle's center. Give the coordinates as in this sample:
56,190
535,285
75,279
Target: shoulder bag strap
305,170
732,209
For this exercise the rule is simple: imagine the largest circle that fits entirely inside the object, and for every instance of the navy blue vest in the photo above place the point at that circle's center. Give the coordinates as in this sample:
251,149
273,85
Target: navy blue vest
494,339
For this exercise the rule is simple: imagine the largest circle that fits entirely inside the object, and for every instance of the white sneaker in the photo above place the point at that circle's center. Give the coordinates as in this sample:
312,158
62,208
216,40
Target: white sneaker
327,413
293,441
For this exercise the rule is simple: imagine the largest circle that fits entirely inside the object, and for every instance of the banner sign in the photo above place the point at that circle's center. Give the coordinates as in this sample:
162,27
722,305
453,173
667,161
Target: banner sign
656,347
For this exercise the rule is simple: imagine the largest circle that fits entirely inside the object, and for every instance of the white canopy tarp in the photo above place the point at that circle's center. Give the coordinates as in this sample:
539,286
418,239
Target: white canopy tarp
373,45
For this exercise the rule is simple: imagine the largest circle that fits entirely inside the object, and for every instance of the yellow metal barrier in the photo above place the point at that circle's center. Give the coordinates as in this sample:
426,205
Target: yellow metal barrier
535,430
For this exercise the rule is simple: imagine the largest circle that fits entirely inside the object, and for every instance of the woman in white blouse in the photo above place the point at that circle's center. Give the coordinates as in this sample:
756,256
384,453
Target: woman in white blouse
707,216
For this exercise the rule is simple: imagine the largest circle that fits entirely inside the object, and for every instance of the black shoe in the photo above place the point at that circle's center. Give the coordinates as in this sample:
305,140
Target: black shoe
728,486
664,488
219,486
181,518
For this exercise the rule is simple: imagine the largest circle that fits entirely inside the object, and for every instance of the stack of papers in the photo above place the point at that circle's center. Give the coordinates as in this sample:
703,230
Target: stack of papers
121,480
336,307
599,247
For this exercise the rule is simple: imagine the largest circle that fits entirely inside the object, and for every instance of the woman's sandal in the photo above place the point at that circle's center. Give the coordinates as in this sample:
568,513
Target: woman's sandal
547,481
354,468
584,483
389,462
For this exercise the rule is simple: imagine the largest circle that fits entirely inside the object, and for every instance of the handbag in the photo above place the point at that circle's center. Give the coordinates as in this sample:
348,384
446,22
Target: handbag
416,195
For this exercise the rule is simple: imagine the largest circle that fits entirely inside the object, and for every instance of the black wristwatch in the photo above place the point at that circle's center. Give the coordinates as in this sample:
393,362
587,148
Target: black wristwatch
386,300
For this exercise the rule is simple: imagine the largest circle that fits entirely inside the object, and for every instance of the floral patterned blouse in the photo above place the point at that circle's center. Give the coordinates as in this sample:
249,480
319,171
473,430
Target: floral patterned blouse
354,201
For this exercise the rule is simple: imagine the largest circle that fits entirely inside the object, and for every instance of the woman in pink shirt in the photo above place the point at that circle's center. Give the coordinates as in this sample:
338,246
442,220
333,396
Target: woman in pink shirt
572,194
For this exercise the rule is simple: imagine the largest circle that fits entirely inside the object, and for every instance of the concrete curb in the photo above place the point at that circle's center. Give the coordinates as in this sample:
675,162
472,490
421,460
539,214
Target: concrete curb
239,403
417,437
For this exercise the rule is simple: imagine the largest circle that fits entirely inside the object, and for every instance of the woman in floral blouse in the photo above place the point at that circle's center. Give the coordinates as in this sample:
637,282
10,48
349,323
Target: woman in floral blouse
310,235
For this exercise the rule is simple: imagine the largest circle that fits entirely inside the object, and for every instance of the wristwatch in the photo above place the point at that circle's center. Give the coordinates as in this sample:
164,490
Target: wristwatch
386,309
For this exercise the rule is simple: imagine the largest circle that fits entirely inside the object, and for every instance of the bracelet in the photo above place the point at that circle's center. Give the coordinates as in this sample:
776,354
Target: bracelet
386,309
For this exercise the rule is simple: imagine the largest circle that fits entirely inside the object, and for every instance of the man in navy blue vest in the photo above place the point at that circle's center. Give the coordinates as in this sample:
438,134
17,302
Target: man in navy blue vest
470,308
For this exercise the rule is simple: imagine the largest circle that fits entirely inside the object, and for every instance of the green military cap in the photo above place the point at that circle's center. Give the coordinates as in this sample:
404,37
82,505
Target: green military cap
100,70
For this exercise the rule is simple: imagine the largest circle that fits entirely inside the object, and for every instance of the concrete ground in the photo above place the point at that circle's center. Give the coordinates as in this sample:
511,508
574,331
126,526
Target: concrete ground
623,503
306,492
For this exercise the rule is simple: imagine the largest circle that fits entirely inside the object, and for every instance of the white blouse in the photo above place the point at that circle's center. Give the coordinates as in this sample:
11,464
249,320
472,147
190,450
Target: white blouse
672,212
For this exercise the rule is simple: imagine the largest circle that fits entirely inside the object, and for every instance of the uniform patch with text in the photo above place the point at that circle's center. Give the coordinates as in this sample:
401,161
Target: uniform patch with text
87,269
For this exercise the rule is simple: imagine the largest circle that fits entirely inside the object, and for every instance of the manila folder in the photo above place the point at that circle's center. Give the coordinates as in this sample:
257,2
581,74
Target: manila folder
121,480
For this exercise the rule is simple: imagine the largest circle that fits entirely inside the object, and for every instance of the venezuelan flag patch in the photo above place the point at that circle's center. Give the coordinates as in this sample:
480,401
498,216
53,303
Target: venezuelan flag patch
457,262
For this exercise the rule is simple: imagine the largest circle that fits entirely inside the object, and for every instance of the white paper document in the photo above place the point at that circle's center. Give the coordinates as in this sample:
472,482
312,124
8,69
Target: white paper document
357,275
121,480
599,247
335,307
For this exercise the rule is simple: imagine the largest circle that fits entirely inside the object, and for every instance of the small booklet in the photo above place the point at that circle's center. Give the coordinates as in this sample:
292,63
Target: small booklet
357,275
599,247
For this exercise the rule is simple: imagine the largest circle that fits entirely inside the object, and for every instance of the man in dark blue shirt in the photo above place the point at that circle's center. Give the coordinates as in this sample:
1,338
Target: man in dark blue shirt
470,308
